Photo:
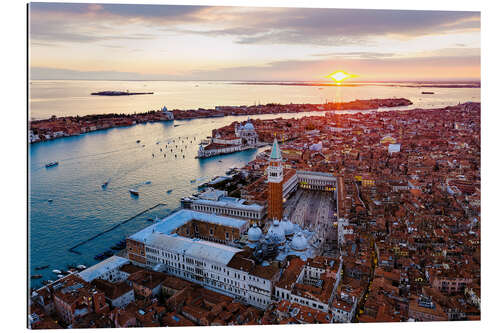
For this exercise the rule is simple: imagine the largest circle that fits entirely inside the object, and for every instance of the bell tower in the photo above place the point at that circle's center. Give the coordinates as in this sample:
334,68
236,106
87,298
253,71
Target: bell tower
275,183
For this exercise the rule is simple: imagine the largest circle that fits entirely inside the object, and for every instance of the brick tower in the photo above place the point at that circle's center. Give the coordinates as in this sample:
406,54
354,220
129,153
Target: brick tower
275,184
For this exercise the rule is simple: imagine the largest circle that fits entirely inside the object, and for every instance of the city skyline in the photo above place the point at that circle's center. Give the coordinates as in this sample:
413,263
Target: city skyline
170,42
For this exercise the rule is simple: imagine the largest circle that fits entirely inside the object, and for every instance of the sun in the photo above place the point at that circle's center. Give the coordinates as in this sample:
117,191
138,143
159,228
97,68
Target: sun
339,76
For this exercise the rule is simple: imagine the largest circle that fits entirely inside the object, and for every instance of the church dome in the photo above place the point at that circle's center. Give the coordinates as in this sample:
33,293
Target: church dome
254,233
276,232
249,127
316,146
299,242
288,227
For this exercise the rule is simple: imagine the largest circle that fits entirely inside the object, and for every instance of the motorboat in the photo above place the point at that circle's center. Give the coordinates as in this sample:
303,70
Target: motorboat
169,191
37,276
51,164
56,271
42,267
81,267
134,192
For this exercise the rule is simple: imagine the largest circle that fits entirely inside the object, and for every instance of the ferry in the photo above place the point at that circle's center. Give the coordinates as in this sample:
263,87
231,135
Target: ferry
134,192
51,164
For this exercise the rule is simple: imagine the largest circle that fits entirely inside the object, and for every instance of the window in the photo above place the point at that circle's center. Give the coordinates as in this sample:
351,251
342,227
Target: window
227,235
211,231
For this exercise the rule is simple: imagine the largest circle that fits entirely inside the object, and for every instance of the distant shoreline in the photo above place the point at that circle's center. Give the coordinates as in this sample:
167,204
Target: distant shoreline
389,84
57,127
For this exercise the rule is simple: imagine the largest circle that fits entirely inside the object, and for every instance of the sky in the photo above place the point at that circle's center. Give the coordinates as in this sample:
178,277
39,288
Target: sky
177,42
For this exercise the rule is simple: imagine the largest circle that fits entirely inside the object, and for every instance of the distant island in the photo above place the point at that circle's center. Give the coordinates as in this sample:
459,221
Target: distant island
56,127
119,93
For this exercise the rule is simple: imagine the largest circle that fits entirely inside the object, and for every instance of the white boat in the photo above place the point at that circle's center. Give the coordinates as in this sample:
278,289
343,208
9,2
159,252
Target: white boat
60,276
134,192
56,271
81,267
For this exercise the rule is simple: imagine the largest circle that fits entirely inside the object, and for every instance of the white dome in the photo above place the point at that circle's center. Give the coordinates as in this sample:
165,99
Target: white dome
299,242
254,233
316,146
288,227
276,232
249,127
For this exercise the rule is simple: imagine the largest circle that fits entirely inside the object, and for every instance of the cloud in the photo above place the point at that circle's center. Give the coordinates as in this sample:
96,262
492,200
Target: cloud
356,55
248,25
335,26
430,67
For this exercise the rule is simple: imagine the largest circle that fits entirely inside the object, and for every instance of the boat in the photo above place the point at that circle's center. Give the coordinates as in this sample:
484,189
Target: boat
427,92
50,200
134,192
138,141
37,276
176,125
147,182
81,267
150,219
56,271
192,180
105,184
42,267
51,164
60,276
169,191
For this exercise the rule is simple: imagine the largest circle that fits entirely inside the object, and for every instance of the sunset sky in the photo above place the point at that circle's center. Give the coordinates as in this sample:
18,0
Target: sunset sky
166,42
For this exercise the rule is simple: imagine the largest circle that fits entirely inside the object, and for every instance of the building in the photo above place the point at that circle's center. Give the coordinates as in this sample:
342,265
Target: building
214,266
168,114
275,185
189,224
247,134
75,298
217,202
244,137
310,283
319,181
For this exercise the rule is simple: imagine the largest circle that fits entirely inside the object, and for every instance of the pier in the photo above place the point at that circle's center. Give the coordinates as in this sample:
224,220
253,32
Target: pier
73,249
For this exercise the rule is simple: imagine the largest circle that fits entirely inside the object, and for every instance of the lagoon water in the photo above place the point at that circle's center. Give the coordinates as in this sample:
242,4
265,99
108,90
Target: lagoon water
80,208
71,98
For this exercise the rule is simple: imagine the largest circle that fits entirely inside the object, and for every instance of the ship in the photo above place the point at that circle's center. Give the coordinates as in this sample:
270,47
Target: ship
51,164
134,192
